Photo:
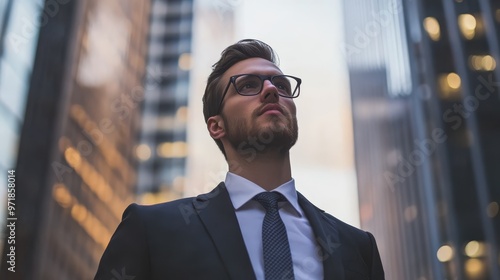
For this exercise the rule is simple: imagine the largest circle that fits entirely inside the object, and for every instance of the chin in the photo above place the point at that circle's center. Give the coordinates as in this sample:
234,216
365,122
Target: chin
279,135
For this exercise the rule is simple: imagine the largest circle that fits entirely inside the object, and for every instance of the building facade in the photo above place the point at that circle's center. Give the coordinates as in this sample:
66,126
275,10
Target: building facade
163,149
17,48
425,96
76,163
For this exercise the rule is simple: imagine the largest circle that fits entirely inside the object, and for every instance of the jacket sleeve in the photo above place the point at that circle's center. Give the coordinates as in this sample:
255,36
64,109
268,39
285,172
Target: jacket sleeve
377,271
126,256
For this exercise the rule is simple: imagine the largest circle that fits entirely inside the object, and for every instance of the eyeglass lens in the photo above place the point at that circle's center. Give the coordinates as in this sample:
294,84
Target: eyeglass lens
252,84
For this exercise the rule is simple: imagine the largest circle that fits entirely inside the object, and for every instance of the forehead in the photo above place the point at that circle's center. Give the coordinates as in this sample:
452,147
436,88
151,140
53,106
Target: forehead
254,65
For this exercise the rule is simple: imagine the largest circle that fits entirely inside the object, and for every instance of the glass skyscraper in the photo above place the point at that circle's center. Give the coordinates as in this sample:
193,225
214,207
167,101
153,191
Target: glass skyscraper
163,148
425,94
75,170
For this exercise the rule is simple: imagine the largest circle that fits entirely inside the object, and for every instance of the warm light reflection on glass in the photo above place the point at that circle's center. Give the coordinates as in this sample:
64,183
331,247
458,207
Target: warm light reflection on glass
492,209
431,25
445,253
482,62
62,196
497,15
72,157
474,268
467,24
99,138
488,63
475,62
185,61
143,152
176,149
89,175
474,249
79,212
453,81
449,85
151,198
83,216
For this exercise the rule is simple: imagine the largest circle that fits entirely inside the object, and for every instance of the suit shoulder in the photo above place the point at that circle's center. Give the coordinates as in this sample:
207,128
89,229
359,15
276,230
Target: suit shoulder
161,210
166,205
182,204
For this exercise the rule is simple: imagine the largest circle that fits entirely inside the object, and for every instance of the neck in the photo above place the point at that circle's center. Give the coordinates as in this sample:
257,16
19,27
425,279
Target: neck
268,170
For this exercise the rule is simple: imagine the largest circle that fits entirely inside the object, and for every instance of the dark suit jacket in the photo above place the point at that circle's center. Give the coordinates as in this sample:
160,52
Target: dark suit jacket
199,238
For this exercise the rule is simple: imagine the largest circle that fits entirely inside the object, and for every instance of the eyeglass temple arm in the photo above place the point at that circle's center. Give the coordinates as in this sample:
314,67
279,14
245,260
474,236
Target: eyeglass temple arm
224,95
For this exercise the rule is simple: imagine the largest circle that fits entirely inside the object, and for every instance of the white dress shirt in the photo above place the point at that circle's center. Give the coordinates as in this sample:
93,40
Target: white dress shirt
307,264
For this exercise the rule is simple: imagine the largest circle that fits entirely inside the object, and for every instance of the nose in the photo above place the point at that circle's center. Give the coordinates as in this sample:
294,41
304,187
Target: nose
269,93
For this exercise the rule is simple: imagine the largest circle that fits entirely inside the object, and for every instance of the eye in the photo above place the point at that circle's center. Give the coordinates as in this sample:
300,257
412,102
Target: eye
248,84
282,84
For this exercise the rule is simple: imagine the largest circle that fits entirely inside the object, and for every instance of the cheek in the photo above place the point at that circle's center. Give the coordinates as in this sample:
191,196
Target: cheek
238,104
290,105
241,112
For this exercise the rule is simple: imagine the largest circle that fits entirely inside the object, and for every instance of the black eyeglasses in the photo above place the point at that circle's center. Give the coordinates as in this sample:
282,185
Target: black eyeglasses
251,84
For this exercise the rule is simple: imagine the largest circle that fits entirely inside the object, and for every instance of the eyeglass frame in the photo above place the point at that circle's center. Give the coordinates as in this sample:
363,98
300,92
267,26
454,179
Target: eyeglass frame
263,78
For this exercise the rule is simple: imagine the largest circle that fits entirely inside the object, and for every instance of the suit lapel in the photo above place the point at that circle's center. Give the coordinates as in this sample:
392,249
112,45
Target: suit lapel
327,238
217,214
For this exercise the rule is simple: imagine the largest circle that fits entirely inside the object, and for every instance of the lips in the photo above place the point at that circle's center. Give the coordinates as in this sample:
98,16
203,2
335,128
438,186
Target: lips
271,108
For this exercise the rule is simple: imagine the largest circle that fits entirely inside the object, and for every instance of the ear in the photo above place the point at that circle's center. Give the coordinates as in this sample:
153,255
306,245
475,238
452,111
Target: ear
215,126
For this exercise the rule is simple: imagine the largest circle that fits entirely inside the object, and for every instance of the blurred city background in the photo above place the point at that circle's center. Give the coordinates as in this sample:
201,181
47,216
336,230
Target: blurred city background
399,121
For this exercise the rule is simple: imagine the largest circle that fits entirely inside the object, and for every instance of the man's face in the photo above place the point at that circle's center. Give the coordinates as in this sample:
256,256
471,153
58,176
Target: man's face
263,121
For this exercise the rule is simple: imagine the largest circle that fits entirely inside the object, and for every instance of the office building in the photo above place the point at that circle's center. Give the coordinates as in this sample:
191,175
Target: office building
425,97
163,149
76,163
17,49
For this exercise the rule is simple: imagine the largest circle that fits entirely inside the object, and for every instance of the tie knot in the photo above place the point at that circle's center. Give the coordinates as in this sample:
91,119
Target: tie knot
269,200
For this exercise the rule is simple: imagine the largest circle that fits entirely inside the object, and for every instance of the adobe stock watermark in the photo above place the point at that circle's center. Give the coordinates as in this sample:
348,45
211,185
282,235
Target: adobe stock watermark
455,116
363,37
463,110
122,275
406,167
125,103
196,205
11,220
324,248
255,144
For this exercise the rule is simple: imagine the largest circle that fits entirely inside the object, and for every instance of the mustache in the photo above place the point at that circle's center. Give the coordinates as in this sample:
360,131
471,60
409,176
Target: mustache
259,110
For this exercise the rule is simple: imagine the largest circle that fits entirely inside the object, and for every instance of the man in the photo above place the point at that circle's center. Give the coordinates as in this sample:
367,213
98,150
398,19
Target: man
254,225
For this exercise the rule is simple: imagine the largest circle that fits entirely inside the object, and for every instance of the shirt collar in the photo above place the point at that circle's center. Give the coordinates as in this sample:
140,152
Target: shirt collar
242,190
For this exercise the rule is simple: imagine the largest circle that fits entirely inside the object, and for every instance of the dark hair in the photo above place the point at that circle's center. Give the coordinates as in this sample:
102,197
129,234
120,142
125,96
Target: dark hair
244,49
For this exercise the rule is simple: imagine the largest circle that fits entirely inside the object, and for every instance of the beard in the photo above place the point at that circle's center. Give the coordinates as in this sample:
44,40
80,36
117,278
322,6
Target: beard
278,132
